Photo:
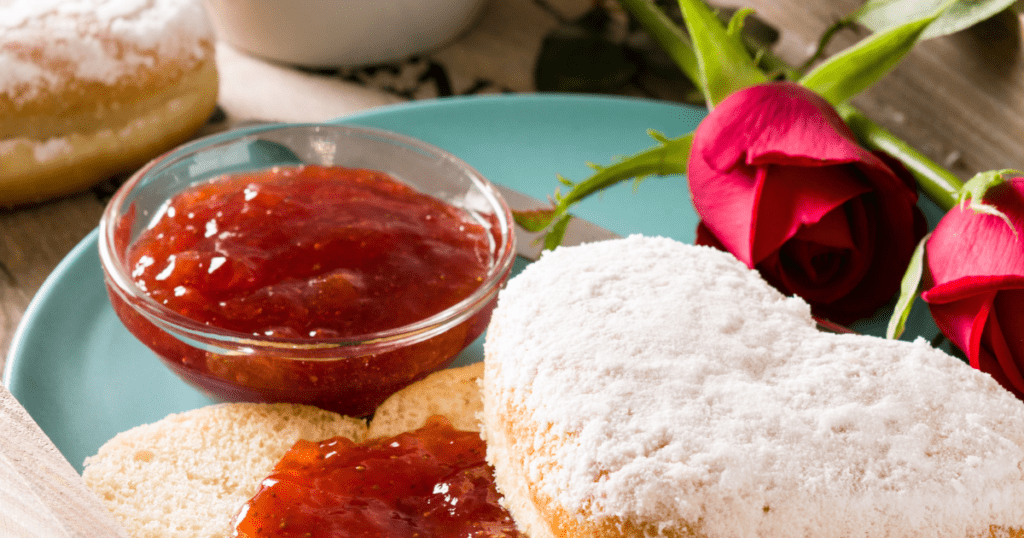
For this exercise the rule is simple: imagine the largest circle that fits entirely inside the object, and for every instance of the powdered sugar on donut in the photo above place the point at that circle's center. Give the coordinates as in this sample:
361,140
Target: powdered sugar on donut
675,385
45,43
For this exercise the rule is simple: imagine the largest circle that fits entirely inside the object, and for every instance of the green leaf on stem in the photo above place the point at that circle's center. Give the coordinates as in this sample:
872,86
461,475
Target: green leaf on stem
666,33
910,287
723,63
554,237
976,188
667,158
846,74
534,220
881,15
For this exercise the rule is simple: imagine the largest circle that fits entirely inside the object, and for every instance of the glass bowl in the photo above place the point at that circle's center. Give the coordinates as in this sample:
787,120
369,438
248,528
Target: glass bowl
350,374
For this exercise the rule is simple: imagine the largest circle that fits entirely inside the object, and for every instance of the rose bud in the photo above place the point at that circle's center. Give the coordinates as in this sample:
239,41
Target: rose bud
974,283
780,182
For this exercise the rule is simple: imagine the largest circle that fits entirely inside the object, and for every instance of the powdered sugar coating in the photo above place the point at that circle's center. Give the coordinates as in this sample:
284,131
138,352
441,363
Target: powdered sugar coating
45,43
680,387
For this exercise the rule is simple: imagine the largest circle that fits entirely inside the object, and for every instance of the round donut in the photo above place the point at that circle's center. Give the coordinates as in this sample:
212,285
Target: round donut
93,88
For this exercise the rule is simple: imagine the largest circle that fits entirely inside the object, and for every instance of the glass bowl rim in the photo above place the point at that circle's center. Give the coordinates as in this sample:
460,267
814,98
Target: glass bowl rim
168,320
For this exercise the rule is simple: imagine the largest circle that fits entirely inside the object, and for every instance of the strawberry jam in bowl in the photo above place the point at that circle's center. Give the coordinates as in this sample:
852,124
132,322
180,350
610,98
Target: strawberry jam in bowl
319,264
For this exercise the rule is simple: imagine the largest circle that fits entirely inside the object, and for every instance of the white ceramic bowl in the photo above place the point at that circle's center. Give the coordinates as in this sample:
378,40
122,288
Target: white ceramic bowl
337,33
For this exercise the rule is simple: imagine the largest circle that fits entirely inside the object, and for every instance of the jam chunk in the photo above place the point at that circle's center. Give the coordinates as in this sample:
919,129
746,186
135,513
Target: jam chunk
432,482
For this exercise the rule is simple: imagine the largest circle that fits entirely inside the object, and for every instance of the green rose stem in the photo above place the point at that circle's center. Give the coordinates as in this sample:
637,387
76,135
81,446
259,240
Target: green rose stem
677,45
670,155
823,42
713,62
937,183
666,34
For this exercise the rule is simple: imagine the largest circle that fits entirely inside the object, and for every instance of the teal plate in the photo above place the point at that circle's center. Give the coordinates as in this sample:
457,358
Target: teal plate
84,378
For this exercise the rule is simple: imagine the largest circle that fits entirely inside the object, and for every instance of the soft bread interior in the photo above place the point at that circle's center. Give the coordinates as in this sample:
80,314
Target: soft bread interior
187,475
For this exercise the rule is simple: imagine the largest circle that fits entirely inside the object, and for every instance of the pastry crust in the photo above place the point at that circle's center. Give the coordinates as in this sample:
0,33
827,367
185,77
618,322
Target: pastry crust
453,393
97,88
646,388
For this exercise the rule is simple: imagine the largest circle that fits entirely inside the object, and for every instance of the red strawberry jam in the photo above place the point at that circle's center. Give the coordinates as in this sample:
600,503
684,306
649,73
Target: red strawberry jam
308,253
432,482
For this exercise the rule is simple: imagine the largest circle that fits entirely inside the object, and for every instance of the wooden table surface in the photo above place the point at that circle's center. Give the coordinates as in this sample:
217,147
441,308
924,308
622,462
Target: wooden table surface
959,99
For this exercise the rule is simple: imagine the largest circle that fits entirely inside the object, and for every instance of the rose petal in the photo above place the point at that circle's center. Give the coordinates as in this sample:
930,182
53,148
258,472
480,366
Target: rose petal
899,225
1006,345
774,121
725,203
833,229
704,237
968,286
823,265
963,321
791,198
1008,308
899,170
990,365
966,244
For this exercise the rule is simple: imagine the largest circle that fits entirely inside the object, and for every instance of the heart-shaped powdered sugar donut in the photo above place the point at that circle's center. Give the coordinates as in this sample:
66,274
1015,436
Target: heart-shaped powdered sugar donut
643,387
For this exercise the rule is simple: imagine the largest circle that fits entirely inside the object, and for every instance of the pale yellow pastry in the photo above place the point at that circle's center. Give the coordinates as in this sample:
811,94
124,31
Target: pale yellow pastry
92,88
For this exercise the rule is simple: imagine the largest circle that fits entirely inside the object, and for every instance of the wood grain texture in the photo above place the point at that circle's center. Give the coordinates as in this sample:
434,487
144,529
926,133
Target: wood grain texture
959,99
33,241
41,495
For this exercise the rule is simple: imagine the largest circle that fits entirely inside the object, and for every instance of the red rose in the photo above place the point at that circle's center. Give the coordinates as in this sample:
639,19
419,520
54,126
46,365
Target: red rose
779,181
975,283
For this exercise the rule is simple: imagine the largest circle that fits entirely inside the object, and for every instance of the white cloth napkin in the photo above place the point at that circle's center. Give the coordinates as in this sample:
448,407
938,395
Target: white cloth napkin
252,89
